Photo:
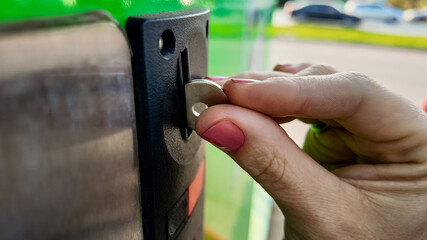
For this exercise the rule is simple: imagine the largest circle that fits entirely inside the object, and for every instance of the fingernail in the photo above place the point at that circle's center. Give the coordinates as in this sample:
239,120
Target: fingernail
283,67
217,78
225,135
243,81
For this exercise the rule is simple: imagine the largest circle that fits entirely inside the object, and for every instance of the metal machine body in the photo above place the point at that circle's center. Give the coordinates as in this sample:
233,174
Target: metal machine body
80,156
68,166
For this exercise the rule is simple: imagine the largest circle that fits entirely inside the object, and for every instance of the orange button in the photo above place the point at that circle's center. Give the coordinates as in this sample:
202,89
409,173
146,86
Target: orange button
196,187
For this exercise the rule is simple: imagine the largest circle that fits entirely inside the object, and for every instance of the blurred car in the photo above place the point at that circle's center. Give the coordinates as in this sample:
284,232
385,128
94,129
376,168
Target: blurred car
415,16
420,19
324,13
396,12
373,12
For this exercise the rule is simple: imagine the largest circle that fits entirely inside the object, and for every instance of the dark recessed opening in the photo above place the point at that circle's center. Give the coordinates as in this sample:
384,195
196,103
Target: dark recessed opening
207,29
167,44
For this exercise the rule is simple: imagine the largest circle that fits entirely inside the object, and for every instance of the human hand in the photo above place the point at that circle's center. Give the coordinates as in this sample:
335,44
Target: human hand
376,148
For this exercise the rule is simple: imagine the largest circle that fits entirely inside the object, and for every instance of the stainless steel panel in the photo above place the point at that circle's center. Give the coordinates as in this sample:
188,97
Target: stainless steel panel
68,164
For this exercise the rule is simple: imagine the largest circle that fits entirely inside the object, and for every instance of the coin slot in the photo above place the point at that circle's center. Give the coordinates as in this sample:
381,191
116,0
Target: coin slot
207,29
184,78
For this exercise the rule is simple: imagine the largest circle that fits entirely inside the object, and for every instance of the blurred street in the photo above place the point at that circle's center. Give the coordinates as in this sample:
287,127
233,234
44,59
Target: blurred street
403,71
282,19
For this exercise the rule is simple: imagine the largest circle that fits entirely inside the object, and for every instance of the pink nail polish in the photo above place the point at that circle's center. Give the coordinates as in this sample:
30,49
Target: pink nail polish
217,78
225,135
242,81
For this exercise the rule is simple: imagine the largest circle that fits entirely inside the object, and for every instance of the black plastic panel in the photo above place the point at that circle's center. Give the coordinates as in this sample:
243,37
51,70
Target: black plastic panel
169,49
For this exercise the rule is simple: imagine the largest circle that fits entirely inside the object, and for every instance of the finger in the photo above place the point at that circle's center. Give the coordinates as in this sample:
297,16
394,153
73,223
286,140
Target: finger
259,75
319,69
306,70
353,100
410,147
336,148
292,68
217,78
286,70
302,69
400,171
331,151
220,80
261,147
325,97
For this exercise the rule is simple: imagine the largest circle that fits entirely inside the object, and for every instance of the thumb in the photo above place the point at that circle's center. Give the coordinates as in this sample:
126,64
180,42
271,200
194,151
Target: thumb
264,150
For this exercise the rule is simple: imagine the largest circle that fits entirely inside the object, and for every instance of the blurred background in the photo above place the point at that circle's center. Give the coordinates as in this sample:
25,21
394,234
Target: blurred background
384,39
387,40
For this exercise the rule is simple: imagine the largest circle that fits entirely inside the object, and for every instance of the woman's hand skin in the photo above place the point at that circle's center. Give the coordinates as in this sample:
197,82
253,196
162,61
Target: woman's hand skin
376,149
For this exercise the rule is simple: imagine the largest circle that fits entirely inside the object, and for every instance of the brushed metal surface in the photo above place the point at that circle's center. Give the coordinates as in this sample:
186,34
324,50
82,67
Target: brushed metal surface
68,164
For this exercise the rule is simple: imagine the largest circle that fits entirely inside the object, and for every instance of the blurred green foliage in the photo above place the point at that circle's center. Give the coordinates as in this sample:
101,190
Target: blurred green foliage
404,4
347,35
12,10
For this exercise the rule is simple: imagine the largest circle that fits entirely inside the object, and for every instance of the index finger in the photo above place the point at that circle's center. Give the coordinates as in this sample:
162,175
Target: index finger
352,99
307,96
